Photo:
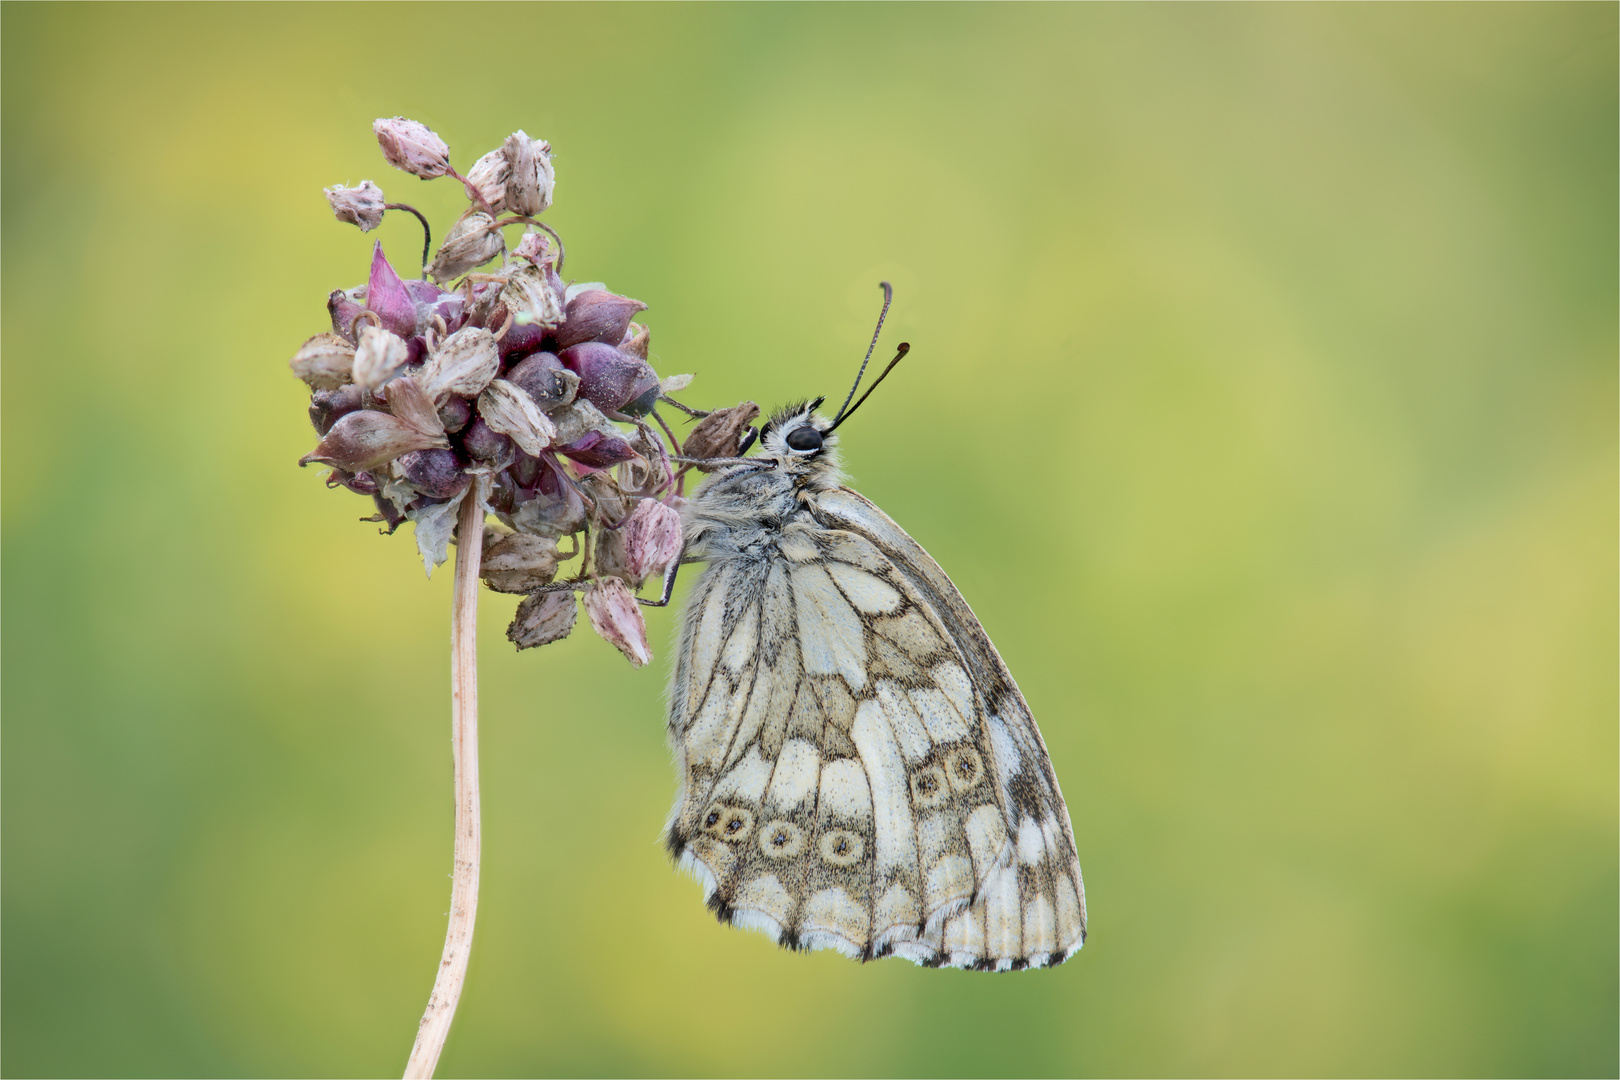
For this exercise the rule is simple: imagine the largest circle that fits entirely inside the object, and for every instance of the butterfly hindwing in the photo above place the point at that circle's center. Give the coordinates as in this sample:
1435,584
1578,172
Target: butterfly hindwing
858,769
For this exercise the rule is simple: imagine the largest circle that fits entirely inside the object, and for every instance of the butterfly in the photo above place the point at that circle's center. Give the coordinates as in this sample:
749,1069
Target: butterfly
858,770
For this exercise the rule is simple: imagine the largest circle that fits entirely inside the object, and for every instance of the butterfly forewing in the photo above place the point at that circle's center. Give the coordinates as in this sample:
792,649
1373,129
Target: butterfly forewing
859,770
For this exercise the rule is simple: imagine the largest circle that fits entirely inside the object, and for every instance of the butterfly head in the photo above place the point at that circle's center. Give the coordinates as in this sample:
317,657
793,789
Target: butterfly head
800,439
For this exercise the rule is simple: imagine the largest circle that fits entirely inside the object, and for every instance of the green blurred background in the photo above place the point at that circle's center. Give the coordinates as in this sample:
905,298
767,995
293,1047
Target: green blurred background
1262,401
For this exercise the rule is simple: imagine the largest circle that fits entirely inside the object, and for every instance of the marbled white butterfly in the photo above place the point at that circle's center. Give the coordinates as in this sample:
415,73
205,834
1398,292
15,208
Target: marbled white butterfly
858,770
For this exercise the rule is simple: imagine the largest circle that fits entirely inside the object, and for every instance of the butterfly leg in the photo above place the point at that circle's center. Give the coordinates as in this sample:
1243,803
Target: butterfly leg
669,585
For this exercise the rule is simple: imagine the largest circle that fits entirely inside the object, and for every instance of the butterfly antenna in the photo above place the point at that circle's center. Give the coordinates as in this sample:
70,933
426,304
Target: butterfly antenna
888,297
899,355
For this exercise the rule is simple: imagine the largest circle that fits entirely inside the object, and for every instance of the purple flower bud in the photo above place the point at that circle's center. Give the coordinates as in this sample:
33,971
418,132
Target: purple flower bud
325,362
362,206
344,307
463,364
325,406
543,378
517,562
455,413
362,440
598,450
359,483
542,619
554,508
387,296
652,538
435,473
378,357
608,378
387,513
473,240
720,433
510,411
530,181
483,443
616,616
597,315
412,147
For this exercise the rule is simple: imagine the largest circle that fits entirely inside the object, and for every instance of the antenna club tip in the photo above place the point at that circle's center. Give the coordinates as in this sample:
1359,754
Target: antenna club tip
904,347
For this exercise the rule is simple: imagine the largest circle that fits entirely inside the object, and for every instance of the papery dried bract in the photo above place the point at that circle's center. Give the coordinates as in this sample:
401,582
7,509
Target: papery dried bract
473,241
408,401
463,364
435,523
510,411
528,297
412,146
362,440
362,206
518,562
719,434
616,616
325,362
542,619
378,357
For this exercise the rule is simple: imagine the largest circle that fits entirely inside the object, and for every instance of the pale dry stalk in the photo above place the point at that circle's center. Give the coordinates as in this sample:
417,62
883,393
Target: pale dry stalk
441,1007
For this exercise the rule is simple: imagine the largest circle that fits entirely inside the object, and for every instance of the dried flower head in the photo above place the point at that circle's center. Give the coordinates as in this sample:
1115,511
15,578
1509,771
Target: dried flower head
420,385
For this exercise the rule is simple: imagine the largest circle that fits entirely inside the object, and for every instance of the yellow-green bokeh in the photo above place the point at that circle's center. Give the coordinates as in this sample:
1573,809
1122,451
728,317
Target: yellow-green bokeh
1262,401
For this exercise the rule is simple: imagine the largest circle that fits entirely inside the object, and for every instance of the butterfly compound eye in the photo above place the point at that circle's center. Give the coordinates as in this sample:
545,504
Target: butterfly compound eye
804,439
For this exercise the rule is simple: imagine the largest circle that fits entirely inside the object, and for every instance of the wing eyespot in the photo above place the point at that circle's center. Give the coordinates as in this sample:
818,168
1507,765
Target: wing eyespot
929,788
840,847
733,824
781,839
965,768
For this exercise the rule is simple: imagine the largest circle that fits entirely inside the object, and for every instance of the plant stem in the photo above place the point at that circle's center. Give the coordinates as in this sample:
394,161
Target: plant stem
441,1007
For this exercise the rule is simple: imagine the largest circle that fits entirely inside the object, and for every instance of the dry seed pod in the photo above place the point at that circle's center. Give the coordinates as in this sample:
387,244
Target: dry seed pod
542,619
488,177
652,539
530,181
519,563
719,434
616,616
472,242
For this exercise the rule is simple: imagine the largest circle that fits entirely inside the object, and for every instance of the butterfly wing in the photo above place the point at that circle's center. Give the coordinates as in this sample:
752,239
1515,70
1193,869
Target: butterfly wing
859,771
